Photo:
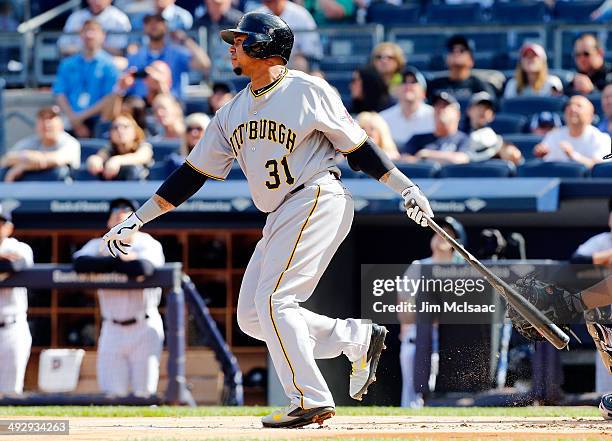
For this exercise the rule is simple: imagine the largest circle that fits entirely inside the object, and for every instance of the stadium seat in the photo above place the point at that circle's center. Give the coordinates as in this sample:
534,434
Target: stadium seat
159,172
528,105
524,142
56,174
537,168
90,146
575,11
421,169
454,14
494,168
81,174
193,105
161,149
602,170
390,15
508,123
519,12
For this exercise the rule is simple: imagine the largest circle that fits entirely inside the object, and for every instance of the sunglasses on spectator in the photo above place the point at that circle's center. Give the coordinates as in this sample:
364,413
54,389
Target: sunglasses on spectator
582,54
384,57
196,128
120,126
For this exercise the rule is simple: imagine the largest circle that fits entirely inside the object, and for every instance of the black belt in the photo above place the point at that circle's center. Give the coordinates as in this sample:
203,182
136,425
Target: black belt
4,324
301,186
127,322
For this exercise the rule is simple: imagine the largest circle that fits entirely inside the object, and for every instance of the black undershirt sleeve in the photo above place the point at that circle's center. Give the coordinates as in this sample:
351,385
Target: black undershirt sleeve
183,183
370,159
12,266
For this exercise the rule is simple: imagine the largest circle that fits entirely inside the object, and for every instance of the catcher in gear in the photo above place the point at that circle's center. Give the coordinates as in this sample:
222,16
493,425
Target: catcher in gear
564,308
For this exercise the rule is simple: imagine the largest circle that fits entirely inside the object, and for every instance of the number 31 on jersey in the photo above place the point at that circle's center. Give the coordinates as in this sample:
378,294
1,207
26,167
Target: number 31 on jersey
275,180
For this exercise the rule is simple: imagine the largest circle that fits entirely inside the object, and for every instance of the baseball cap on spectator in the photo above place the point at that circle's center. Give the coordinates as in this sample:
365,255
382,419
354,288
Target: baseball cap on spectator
484,144
459,40
49,112
482,98
535,49
447,98
156,16
5,214
456,228
123,203
414,73
545,120
223,87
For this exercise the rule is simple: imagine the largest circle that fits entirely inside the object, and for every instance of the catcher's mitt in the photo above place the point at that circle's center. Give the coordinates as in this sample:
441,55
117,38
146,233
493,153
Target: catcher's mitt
559,305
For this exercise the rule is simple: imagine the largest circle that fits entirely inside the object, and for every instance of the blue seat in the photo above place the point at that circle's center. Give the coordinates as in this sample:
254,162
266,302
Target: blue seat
453,14
55,174
90,146
159,172
389,15
602,170
529,105
507,123
518,12
81,174
194,105
575,11
421,169
524,142
537,168
493,168
161,149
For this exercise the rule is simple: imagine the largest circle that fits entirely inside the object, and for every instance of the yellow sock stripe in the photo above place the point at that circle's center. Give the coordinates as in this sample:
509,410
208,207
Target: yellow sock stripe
276,287
208,175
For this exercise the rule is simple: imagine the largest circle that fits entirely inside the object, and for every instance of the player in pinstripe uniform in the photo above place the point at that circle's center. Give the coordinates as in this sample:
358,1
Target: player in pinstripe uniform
132,333
15,338
284,129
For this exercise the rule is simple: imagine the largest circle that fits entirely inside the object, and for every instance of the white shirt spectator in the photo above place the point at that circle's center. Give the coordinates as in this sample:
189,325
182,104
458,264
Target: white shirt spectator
551,85
14,301
112,19
177,18
69,146
593,144
299,19
402,128
596,244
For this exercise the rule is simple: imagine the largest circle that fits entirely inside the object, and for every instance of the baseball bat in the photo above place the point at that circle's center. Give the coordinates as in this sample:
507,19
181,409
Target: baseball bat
543,324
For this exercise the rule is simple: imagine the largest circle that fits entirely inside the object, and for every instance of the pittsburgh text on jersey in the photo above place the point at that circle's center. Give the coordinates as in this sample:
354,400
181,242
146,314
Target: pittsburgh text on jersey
267,129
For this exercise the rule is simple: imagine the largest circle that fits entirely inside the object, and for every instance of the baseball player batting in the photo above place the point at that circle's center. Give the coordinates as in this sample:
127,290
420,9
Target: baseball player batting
284,129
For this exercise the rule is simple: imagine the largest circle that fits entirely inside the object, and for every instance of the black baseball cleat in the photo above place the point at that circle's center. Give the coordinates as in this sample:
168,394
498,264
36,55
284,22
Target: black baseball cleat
293,416
363,371
605,407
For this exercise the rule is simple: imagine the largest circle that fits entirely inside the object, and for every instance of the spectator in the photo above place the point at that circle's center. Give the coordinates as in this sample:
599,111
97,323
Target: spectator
368,91
531,75
178,19
377,129
485,144
326,12
196,125
221,94
543,122
446,144
411,115
459,82
180,59
51,150
112,20
389,60
15,337
598,249
132,335
605,125
157,80
301,22
592,72
127,156
218,14
578,141
8,23
481,112
84,79
169,116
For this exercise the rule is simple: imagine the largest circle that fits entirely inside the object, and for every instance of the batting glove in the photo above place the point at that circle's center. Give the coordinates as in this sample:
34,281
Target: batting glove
416,205
117,238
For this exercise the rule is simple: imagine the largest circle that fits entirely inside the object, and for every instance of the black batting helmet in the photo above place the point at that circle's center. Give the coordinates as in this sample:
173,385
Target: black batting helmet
267,36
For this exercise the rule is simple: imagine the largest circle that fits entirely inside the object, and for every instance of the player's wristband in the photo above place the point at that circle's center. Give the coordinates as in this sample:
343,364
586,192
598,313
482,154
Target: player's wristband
149,211
397,181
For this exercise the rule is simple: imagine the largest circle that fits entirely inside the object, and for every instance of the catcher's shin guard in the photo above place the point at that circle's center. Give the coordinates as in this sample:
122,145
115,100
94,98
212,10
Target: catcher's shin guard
599,326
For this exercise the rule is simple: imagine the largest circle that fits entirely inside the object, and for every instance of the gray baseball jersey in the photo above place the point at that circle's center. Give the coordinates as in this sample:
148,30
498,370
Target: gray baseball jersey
281,138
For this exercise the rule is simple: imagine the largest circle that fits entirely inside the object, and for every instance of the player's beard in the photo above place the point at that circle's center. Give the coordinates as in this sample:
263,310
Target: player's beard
238,70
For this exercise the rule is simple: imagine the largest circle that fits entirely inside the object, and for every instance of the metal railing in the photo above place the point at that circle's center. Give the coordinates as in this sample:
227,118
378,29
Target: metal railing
14,58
